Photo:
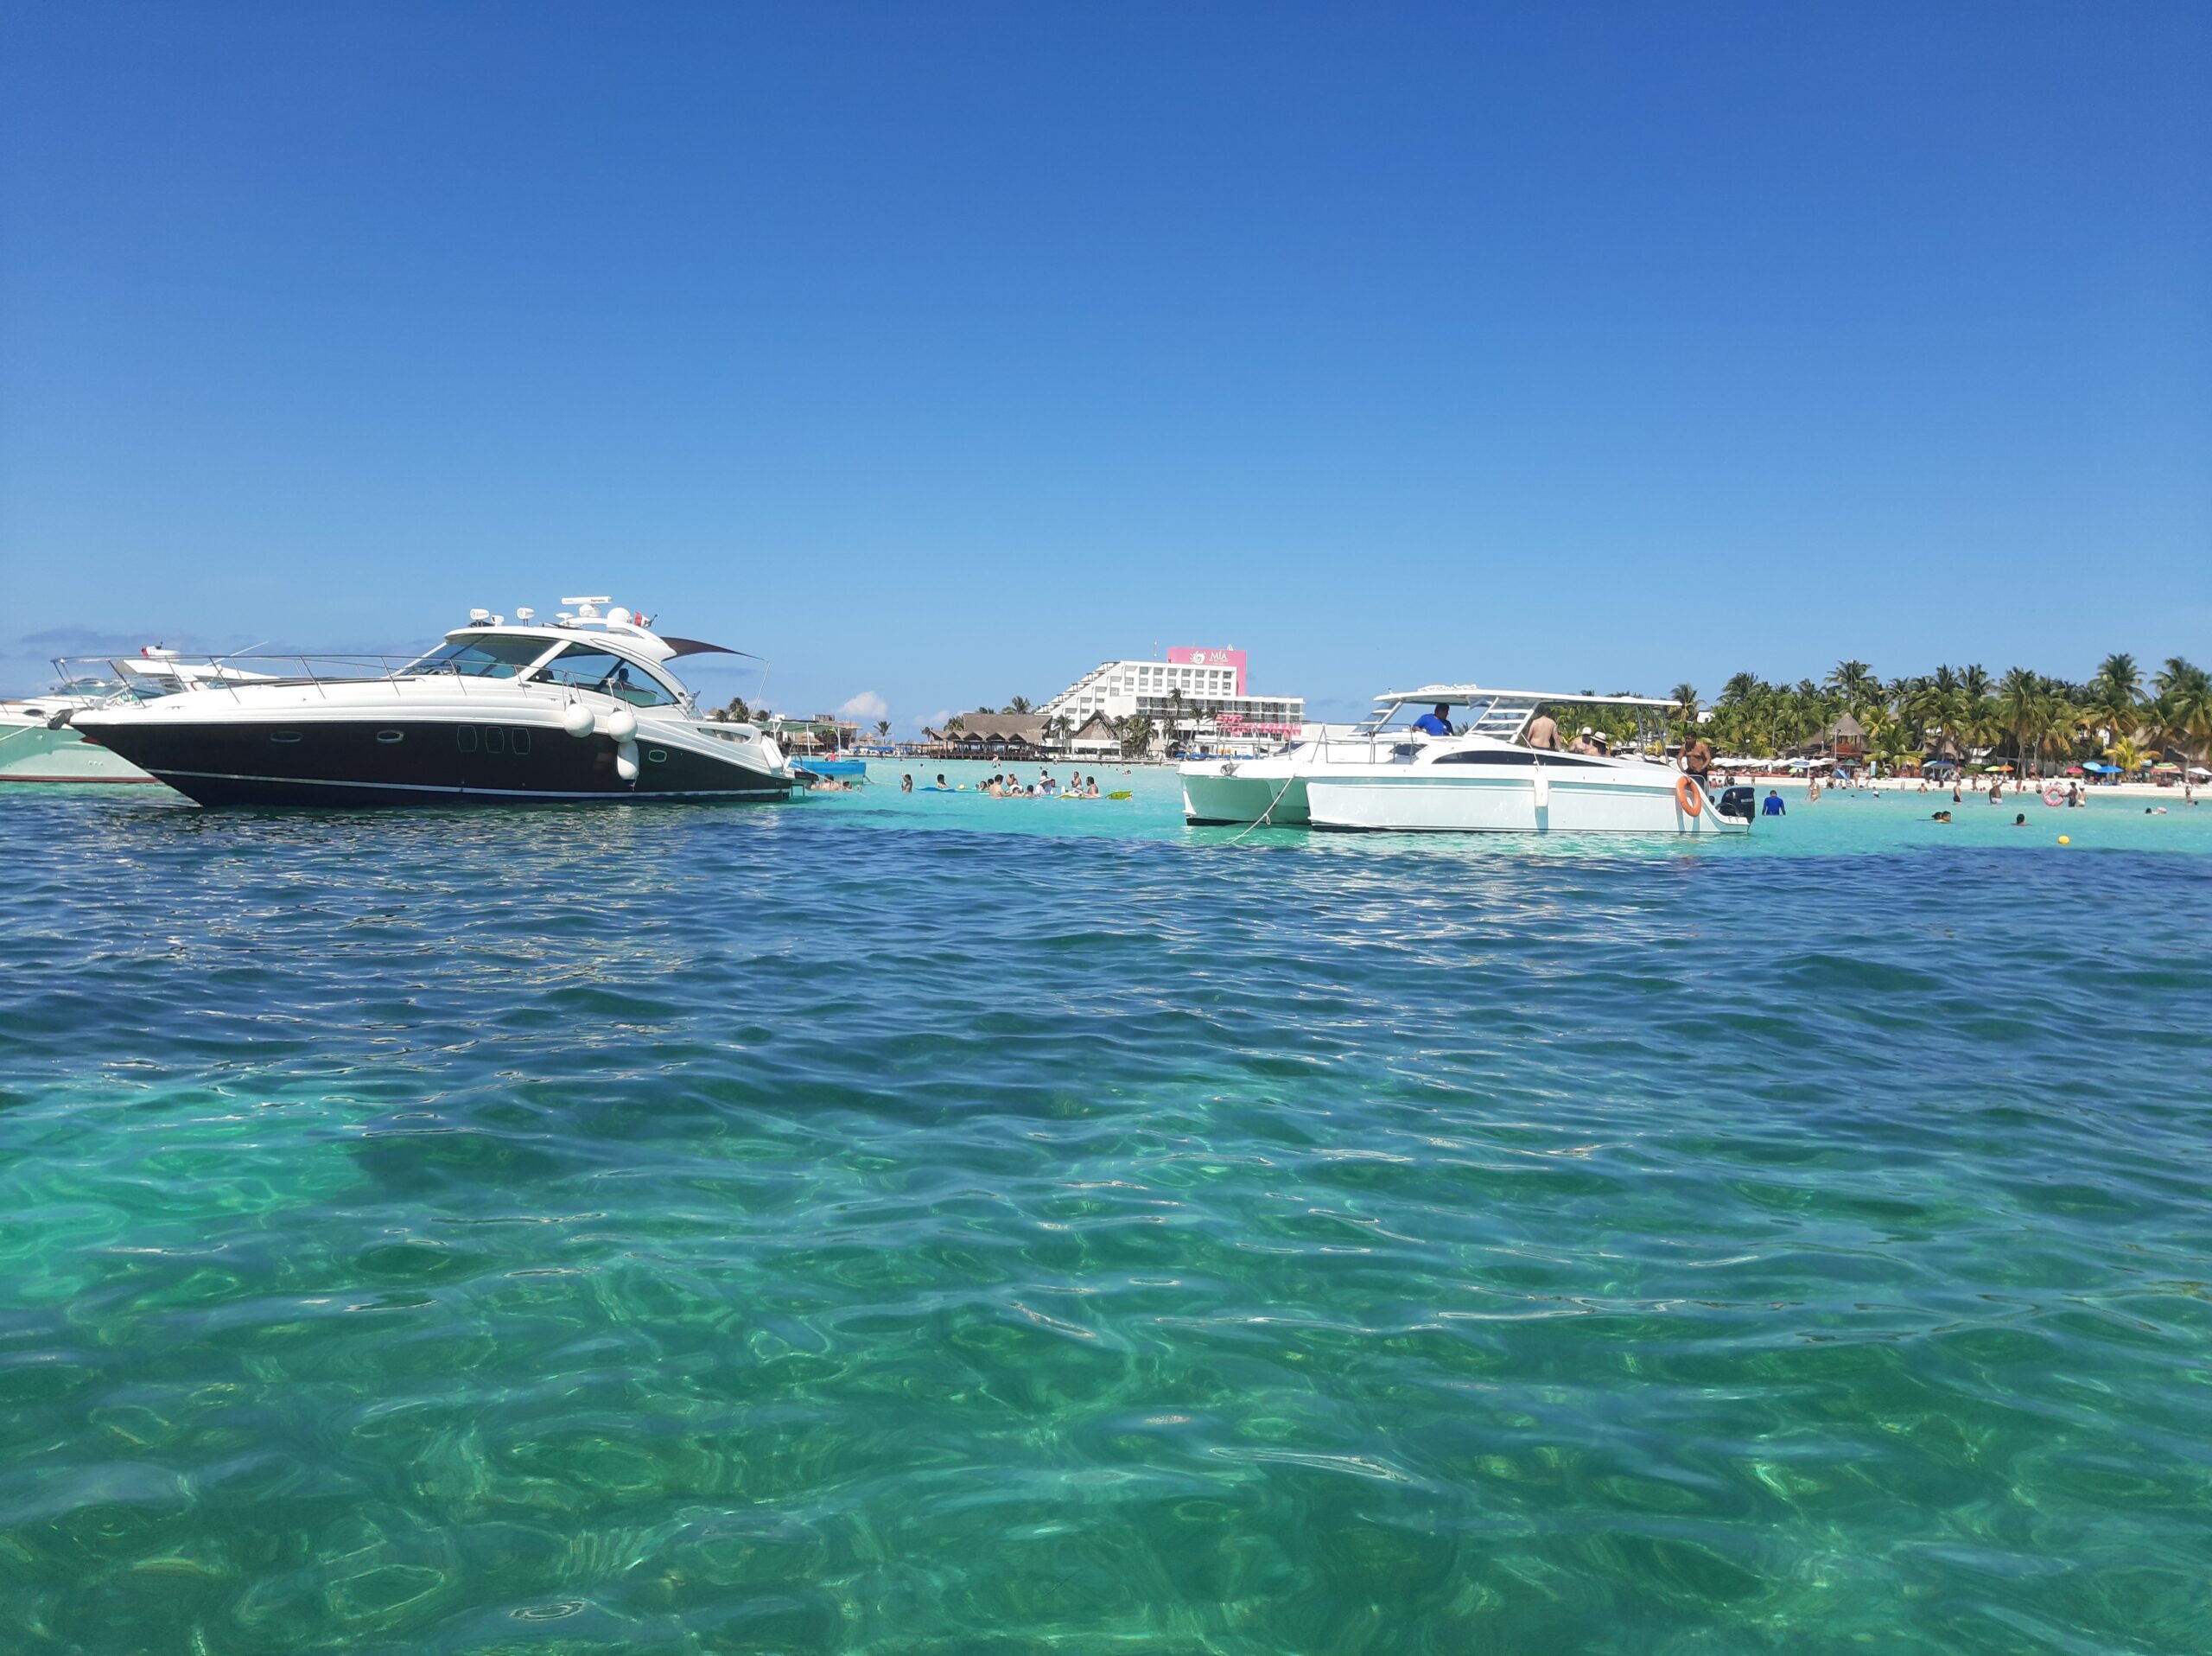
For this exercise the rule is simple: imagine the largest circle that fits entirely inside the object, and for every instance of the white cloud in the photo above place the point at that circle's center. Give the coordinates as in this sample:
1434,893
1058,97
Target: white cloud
867,707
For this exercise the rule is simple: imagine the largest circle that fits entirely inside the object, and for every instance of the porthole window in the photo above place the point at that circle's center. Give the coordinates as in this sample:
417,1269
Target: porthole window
464,737
284,735
495,739
519,741
656,755
392,735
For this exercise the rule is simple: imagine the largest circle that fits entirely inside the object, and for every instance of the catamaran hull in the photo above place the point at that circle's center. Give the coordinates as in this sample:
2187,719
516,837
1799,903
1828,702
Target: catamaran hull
37,753
1415,804
415,762
1280,799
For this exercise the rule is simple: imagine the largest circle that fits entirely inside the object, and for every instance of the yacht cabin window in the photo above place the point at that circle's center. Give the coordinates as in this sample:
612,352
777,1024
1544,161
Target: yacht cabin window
584,666
492,656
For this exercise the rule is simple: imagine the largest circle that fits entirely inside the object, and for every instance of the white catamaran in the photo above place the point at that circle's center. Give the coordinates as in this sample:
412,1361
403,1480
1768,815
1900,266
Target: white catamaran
1478,775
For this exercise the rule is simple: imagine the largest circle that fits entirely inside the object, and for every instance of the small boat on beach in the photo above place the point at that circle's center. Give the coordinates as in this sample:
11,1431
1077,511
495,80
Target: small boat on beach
1479,777
586,708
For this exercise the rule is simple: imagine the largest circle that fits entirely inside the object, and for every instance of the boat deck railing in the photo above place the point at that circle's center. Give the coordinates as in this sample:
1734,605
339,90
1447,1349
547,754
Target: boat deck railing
137,676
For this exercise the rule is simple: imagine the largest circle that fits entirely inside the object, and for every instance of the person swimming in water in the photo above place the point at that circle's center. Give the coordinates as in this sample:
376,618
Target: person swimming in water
1941,816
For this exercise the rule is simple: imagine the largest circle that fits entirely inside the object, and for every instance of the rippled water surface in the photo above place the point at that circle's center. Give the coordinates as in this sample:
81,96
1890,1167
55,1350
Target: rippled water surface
934,1224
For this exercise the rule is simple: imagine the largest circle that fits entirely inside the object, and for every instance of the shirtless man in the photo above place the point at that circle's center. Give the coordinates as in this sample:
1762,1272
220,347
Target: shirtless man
1697,758
1543,731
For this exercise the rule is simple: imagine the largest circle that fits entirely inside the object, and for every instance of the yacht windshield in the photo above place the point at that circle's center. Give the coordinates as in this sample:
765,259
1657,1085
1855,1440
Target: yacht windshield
491,657
586,667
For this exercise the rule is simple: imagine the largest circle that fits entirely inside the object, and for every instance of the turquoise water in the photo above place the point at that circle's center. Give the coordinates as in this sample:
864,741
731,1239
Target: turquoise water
938,1224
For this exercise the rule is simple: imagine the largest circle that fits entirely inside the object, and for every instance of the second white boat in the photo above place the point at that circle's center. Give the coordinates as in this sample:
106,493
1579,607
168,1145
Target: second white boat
1481,777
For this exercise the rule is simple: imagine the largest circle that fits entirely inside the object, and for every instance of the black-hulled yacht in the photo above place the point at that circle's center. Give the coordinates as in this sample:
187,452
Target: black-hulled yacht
586,708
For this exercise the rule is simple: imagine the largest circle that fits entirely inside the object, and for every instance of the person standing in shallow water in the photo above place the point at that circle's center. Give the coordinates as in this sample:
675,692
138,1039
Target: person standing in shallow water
1774,807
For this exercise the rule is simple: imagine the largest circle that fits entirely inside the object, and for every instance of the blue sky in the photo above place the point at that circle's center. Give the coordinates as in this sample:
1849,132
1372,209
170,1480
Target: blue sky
936,352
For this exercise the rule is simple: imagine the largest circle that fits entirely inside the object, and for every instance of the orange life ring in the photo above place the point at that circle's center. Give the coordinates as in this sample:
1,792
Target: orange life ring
1687,797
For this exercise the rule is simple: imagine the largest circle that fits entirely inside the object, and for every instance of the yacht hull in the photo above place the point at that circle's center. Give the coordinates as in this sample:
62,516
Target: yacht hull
402,762
1244,798
33,752
1411,802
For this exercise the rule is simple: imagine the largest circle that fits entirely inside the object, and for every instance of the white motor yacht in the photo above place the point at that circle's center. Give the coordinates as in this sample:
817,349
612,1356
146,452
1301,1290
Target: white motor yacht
39,741
585,708
1481,777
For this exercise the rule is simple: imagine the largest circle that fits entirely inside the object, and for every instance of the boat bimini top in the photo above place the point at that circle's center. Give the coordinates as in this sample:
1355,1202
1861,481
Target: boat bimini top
1504,713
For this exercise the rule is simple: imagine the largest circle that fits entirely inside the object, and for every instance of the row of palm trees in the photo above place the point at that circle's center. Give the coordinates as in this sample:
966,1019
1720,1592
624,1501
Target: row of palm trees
1957,711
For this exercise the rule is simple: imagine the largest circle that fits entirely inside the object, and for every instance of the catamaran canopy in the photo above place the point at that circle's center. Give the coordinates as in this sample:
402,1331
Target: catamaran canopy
1460,695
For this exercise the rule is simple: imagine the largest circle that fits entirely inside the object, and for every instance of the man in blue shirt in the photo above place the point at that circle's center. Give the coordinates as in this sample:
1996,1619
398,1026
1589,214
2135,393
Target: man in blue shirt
1774,807
1438,724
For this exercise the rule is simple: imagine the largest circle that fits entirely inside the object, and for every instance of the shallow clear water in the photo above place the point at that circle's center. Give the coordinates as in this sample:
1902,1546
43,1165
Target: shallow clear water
939,1224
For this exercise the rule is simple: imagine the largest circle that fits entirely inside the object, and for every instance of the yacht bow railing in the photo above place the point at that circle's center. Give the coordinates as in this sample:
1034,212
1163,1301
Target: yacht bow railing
138,678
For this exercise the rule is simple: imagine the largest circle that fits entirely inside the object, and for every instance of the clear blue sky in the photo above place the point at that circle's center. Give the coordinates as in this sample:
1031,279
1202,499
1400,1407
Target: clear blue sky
939,351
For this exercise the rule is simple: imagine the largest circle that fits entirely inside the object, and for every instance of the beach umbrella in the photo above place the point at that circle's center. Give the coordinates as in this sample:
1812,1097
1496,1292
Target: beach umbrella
1997,767
2073,770
2165,768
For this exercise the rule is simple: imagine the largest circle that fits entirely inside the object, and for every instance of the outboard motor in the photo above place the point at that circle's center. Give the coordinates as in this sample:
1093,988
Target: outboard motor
1739,802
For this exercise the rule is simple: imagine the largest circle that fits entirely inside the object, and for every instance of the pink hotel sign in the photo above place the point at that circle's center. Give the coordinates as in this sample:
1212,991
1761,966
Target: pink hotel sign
1183,655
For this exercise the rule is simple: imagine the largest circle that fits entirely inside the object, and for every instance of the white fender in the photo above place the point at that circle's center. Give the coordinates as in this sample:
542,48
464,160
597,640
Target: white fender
625,759
1543,788
622,724
576,719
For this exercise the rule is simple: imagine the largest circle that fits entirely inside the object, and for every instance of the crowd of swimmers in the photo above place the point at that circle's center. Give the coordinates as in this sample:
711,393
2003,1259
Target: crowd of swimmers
1004,785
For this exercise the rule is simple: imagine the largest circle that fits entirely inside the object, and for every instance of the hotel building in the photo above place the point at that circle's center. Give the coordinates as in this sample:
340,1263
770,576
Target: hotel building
1215,699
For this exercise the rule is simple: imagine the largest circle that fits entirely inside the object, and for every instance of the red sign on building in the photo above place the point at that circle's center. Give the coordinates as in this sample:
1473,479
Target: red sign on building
1185,655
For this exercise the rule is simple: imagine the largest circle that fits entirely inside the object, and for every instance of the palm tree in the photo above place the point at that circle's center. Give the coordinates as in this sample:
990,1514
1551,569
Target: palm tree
2129,757
2114,696
1136,732
1019,704
2118,681
1059,728
882,729
1855,682
1685,698
958,722
2183,712
2020,712
1174,714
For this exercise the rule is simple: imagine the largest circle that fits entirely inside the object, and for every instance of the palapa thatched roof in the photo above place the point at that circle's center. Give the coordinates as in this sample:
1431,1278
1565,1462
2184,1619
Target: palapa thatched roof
995,730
